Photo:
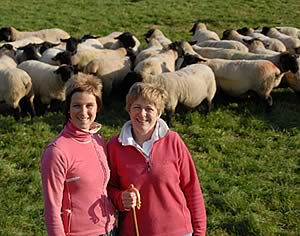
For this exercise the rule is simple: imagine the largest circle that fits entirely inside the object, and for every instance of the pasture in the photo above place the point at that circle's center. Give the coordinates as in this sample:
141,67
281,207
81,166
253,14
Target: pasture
247,160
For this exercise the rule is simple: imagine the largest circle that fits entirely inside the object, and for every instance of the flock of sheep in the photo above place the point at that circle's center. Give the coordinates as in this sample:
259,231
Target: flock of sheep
35,67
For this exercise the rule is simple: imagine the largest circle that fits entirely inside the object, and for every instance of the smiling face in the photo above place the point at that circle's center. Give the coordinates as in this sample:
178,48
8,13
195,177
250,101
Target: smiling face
83,110
143,116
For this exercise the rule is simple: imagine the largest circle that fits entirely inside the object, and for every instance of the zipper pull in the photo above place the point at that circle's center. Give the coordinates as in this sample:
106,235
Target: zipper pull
149,166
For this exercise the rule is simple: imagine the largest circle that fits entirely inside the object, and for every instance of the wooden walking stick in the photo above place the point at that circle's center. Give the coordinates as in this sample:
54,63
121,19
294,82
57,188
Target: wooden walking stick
138,206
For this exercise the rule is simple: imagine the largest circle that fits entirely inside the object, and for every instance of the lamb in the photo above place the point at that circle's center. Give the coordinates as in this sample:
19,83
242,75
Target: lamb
189,86
284,61
270,43
53,35
288,30
111,71
292,44
158,35
237,77
48,80
201,33
15,85
230,44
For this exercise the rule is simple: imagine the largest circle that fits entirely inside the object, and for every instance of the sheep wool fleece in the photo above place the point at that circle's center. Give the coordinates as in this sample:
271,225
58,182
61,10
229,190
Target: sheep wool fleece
75,174
171,198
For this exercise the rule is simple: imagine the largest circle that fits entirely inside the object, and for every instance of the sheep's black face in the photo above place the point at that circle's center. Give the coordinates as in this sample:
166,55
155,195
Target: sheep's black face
127,40
148,35
66,72
289,62
63,58
5,34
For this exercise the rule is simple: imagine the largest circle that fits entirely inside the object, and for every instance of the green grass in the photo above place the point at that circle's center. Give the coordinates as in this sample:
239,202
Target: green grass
247,160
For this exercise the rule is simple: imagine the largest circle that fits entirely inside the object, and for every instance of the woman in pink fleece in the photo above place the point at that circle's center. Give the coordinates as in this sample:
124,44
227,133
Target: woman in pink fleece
74,168
158,164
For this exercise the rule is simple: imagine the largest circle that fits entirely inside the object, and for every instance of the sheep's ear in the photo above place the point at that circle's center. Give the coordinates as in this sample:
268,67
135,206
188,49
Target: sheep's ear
193,29
192,42
248,41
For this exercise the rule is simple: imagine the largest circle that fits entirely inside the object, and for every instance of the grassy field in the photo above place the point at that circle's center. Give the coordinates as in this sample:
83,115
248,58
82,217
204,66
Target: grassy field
247,160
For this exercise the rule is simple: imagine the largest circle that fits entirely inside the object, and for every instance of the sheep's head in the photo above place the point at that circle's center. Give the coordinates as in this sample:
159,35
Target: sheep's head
6,34
126,39
66,72
288,62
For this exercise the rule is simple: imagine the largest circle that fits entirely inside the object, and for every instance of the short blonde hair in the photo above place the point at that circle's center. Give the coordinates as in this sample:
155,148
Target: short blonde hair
149,92
83,83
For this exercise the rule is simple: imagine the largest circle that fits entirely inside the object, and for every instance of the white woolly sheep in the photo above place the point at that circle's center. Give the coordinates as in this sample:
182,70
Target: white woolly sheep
270,43
158,35
189,86
235,35
49,54
237,77
289,30
110,70
16,84
230,44
201,33
23,42
292,44
257,46
284,61
48,80
53,35
153,48
162,62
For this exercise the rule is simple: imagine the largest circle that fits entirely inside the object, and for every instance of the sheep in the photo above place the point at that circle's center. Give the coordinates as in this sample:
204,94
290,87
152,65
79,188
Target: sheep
111,71
7,57
257,46
162,62
293,80
127,40
235,35
115,40
230,44
270,43
237,77
82,57
16,84
157,34
48,55
189,87
288,30
53,35
28,52
284,61
154,47
23,42
48,81
292,44
107,41
201,33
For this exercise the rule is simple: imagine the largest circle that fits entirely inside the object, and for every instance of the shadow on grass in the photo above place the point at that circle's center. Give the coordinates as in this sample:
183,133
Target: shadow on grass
285,112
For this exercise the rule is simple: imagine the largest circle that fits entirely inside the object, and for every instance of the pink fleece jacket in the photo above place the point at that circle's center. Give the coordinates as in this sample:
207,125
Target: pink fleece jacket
75,174
171,197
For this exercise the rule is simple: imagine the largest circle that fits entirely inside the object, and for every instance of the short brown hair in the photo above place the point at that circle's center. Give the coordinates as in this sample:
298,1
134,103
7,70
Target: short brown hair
150,92
83,83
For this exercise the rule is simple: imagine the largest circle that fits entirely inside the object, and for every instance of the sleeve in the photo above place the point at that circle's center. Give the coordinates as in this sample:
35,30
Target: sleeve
191,188
53,173
113,187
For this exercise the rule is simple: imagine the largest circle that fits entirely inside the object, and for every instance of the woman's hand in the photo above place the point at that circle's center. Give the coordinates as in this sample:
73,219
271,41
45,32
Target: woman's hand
131,198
